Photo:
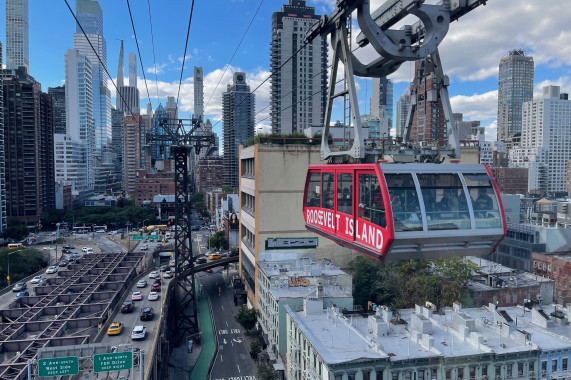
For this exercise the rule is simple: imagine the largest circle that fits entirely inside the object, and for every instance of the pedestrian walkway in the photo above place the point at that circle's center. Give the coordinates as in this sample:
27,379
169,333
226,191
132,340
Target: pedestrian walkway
200,370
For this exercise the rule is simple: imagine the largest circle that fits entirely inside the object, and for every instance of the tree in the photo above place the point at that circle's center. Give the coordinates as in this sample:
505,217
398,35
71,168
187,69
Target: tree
247,317
15,230
218,240
266,372
255,348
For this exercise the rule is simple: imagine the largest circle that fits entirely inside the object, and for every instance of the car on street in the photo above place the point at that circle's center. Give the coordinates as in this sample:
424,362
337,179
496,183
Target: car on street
65,250
66,247
153,296
127,307
84,249
154,274
168,274
19,287
156,288
115,328
21,294
138,332
112,233
100,231
71,247
200,260
51,270
136,296
233,253
63,263
164,268
36,280
142,283
146,314
158,281
214,256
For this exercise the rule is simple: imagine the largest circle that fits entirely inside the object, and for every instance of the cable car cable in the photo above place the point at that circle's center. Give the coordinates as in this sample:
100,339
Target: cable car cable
233,55
154,57
139,51
184,55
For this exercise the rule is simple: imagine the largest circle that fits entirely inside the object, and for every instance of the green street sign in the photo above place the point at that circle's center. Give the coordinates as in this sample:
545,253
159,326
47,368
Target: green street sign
58,366
137,237
112,362
154,237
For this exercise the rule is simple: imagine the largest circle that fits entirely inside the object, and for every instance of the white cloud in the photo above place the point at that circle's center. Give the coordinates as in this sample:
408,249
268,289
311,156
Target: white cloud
563,82
476,107
157,69
187,57
491,131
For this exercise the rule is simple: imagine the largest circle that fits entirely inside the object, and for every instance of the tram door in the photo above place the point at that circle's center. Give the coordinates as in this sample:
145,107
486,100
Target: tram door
344,215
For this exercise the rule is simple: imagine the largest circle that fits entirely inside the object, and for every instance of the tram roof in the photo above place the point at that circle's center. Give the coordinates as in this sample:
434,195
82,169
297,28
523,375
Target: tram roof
432,168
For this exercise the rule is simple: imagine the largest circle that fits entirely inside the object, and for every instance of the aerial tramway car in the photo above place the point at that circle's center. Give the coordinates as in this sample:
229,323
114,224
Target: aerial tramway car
405,211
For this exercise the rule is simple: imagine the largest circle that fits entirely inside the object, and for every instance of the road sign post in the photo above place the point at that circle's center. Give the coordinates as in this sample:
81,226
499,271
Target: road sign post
58,366
112,362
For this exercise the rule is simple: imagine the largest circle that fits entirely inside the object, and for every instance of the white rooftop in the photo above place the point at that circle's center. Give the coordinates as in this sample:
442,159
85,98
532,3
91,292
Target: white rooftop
455,333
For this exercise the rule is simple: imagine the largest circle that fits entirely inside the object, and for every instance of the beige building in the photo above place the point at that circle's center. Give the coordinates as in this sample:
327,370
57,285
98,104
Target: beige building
272,180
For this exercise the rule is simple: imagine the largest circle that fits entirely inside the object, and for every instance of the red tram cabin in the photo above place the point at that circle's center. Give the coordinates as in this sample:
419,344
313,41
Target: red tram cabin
405,211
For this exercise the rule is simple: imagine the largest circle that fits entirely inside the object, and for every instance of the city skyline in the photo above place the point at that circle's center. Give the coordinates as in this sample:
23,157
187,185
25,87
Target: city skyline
470,53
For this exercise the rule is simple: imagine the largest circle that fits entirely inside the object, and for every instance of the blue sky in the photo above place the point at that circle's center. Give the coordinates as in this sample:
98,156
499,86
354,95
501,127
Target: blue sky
470,52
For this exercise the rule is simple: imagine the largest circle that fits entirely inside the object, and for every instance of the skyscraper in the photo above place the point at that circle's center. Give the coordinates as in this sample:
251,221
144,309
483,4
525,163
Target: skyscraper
297,102
127,100
58,98
545,141
238,124
90,17
17,34
514,88
28,145
2,156
198,92
382,98
403,105
80,125
117,142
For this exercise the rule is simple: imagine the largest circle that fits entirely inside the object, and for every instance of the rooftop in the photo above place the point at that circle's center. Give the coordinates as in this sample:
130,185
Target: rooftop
410,334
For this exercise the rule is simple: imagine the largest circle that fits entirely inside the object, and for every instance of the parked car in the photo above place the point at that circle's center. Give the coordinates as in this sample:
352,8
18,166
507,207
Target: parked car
21,294
51,270
127,307
115,328
138,332
142,283
146,314
153,296
144,247
84,249
36,280
19,287
136,296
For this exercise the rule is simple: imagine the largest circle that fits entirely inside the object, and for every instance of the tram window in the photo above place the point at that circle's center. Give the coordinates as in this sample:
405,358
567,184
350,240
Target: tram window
313,186
344,193
328,194
371,206
484,201
445,202
404,202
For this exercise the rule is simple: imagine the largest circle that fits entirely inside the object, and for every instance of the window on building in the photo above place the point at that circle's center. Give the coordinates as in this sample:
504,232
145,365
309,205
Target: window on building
564,364
554,365
544,365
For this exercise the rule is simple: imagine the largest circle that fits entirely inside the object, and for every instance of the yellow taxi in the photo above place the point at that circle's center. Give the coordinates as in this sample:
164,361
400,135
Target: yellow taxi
115,328
214,256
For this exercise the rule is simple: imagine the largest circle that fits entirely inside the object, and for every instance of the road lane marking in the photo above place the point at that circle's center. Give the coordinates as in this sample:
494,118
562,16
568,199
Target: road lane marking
238,367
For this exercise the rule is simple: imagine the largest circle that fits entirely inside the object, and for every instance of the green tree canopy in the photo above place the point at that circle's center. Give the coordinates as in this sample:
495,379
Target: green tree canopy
218,240
247,317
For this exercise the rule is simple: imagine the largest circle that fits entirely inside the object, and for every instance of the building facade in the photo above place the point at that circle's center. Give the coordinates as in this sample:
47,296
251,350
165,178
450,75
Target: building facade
90,15
382,100
58,100
545,147
427,126
3,220
297,102
71,166
127,99
28,147
515,87
198,92
238,105
148,185
267,178
17,34
210,173
135,157
510,180
403,106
